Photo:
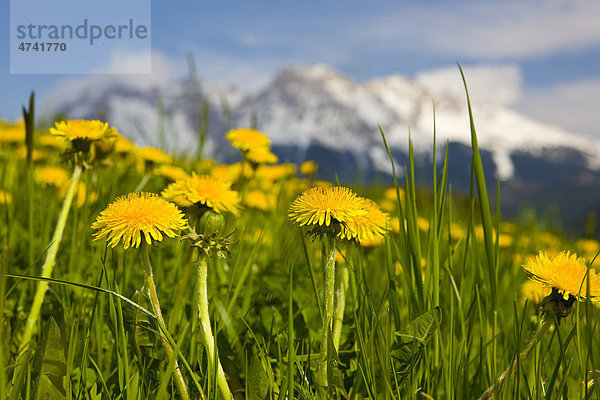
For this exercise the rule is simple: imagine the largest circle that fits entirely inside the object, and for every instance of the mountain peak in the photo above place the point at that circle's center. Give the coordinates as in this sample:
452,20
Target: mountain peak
314,72
315,105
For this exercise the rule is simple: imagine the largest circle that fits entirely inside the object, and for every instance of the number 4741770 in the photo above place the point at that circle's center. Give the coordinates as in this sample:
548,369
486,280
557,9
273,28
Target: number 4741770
42,46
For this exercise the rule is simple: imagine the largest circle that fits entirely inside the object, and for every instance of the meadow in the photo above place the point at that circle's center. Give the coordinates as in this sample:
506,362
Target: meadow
264,294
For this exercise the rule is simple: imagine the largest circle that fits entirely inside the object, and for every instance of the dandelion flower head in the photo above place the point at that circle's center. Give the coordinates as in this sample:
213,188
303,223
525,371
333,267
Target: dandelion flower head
247,139
204,190
136,217
153,155
171,172
261,155
12,133
256,198
124,145
534,291
5,197
51,176
309,168
368,227
565,272
83,130
322,206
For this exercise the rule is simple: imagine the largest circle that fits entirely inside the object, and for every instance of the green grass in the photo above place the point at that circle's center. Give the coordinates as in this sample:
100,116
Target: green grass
446,331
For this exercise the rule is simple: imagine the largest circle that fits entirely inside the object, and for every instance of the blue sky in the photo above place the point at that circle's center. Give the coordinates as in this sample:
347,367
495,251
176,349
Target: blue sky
543,56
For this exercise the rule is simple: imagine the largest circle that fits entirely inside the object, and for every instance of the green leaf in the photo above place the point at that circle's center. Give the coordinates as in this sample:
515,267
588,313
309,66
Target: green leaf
422,328
54,364
409,350
47,390
300,326
258,382
93,393
139,323
29,119
335,378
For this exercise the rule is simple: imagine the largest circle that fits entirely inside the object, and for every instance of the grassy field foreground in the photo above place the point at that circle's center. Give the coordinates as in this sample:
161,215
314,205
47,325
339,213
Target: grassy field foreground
408,294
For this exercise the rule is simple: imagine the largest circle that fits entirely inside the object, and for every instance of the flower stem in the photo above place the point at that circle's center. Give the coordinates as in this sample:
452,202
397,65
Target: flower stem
38,298
142,183
207,335
512,368
328,315
181,386
340,306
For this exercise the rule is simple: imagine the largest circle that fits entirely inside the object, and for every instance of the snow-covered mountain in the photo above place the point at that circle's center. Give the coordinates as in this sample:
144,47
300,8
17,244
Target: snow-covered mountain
314,112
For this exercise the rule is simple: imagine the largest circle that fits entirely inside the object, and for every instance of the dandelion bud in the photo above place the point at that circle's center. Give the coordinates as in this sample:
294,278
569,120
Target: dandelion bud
211,223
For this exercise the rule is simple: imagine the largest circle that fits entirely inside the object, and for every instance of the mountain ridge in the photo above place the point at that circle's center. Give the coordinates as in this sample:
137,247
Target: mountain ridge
315,112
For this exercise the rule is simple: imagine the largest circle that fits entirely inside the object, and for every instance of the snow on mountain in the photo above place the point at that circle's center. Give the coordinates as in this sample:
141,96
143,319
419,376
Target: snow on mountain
315,107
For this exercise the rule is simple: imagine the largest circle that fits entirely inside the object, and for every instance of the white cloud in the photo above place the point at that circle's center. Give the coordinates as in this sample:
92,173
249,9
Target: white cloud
487,83
572,105
164,71
155,63
231,69
490,29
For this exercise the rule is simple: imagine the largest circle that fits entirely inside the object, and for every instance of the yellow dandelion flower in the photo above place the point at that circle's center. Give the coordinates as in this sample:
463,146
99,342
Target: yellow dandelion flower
51,176
149,157
309,168
261,155
171,172
36,155
246,139
103,148
390,194
456,231
82,131
396,224
565,272
124,145
153,155
12,134
505,240
387,205
5,197
366,228
175,192
229,172
204,190
275,172
322,206
259,199
534,291
423,224
375,241
47,140
549,240
136,217
589,247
